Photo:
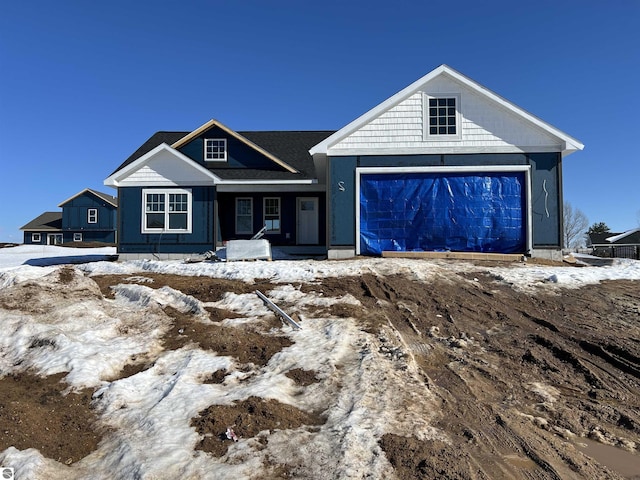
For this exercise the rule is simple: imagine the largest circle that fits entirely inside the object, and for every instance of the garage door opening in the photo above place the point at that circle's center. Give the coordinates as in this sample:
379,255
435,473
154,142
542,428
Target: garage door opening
456,209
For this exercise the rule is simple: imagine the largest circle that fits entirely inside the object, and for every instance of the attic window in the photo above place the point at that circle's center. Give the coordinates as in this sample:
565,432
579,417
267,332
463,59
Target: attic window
442,116
215,149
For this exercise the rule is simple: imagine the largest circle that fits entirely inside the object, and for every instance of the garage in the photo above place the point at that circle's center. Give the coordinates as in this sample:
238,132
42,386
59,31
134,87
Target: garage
458,209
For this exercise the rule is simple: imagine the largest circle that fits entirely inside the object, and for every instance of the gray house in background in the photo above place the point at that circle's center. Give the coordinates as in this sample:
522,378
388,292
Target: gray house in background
88,217
615,245
443,165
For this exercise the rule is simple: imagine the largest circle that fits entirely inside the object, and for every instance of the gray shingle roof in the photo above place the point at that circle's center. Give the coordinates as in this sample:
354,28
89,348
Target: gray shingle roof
292,147
48,221
601,238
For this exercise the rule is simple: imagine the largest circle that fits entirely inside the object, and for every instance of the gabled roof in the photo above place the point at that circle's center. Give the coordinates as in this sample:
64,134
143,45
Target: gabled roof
570,143
290,146
102,196
630,236
159,158
48,221
214,123
600,238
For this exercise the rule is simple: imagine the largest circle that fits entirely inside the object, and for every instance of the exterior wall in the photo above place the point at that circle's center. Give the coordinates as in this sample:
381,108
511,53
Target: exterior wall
288,216
239,154
75,219
44,237
484,126
132,240
342,198
27,238
545,190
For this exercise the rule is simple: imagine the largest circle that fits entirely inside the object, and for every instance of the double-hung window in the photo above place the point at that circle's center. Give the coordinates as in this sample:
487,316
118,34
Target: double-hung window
36,238
215,149
272,214
92,215
244,215
77,237
166,211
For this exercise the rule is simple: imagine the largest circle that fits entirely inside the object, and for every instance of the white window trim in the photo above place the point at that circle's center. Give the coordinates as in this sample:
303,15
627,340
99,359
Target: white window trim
166,192
264,214
77,237
92,213
425,120
36,238
224,143
241,232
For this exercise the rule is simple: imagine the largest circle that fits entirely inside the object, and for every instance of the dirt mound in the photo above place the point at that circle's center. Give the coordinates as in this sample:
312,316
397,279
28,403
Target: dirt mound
36,413
218,424
519,377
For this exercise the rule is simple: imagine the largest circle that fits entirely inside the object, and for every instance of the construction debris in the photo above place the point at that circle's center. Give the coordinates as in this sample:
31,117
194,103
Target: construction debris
278,310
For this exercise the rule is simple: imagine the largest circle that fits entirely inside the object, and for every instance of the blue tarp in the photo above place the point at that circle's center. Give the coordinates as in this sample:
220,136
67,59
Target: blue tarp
462,212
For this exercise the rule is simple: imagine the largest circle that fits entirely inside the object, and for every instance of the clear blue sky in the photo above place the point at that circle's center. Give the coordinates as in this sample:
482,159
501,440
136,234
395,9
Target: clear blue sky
83,84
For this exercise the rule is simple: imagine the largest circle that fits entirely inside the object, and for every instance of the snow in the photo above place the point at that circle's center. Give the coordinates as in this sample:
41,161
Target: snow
362,386
620,236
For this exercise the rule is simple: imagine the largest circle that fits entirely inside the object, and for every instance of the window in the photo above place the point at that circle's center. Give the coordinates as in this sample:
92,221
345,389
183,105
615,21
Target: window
443,116
35,238
92,215
244,215
166,211
272,214
77,237
215,149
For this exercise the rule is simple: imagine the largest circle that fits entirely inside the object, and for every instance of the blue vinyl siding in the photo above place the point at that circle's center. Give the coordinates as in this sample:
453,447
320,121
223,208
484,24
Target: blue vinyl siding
132,240
342,188
546,199
75,219
239,154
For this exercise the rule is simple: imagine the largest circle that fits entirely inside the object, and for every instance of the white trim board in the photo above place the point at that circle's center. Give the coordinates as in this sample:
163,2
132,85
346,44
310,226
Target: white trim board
569,144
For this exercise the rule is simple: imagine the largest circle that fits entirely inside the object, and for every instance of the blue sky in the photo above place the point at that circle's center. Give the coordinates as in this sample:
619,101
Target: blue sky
83,84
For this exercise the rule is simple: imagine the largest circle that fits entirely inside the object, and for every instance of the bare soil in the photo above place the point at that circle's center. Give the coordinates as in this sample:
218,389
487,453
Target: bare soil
519,377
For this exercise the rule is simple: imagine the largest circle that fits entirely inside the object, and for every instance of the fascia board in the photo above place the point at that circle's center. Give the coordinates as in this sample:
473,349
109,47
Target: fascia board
75,196
367,117
267,182
570,144
92,192
214,123
115,179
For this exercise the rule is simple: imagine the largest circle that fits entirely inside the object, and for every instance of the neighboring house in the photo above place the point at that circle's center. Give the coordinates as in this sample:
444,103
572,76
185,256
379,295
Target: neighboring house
45,229
87,217
443,165
620,245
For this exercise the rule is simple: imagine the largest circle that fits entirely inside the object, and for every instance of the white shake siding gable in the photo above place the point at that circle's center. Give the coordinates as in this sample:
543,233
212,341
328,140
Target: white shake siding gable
162,167
485,126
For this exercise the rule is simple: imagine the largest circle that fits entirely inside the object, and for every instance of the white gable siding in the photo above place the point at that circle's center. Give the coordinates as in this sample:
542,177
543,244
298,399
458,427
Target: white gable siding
485,127
164,170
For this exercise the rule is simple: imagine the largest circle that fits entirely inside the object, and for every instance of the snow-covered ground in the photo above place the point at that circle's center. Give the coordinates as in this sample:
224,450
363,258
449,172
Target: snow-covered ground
152,437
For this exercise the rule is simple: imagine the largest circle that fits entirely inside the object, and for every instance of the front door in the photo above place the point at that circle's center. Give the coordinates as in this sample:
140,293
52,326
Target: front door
307,221
54,239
